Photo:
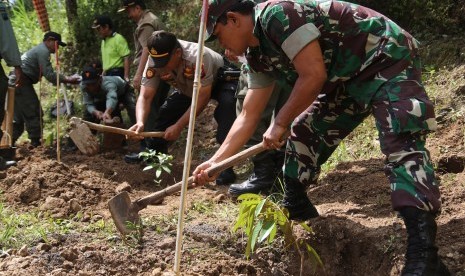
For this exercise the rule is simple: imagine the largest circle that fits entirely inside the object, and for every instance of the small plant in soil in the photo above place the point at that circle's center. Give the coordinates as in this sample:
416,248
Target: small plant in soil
158,161
261,218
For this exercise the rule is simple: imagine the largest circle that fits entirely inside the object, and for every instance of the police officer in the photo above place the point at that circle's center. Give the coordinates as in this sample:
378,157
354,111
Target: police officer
35,64
102,96
147,23
173,61
10,53
344,62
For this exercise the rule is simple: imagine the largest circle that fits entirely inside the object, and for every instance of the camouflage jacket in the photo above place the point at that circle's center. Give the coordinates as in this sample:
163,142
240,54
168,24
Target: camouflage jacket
352,39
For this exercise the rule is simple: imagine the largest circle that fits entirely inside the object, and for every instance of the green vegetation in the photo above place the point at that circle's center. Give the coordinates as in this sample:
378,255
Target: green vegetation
261,218
28,228
158,161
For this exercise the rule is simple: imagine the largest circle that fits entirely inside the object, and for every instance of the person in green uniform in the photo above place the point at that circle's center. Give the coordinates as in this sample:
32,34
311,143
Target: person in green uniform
344,62
10,53
36,64
114,48
102,96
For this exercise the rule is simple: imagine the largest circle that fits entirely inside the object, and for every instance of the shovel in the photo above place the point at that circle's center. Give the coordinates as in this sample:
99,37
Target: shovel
88,144
125,213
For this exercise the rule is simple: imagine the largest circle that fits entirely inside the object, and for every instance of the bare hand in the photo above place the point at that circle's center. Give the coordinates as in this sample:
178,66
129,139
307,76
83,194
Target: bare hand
273,137
172,133
106,116
137,128
73,80
136,82
201,176
19,76
98,114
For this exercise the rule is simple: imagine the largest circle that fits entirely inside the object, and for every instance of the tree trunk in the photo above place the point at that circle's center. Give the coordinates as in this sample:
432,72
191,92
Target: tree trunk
71,11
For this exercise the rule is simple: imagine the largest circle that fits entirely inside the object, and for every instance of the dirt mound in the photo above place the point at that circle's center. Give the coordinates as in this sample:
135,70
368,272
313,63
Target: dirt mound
356,234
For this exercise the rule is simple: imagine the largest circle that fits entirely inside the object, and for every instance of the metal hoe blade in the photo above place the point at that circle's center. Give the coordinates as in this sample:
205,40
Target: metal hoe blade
124,213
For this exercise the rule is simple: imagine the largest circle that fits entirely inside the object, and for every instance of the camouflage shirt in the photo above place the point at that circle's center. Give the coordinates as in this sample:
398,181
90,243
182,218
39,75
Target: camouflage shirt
352,38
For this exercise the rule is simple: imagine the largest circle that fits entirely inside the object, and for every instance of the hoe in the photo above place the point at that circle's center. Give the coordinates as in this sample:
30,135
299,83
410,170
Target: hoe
125,213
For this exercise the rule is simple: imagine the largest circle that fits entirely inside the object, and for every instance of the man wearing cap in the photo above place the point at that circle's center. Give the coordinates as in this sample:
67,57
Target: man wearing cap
147,23
344,62
102,96
10,53
35,63
173,61
114,48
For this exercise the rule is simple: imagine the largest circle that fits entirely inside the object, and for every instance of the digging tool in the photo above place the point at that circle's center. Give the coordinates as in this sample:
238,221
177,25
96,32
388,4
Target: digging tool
126,213
88,144
7,139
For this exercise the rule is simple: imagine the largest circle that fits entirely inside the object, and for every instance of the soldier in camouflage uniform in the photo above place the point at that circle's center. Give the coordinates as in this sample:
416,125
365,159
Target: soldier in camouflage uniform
344,62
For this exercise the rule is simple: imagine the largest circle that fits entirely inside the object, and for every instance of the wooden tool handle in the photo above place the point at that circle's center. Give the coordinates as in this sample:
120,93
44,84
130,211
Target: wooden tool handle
221,166
117,130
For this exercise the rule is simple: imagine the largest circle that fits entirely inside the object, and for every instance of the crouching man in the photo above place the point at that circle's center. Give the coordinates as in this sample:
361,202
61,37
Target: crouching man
104,96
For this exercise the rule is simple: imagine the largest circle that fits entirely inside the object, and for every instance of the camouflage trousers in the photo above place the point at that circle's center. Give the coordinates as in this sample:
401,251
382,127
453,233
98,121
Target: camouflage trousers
403,115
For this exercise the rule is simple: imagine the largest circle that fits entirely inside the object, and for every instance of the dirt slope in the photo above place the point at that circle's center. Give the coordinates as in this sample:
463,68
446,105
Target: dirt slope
357,233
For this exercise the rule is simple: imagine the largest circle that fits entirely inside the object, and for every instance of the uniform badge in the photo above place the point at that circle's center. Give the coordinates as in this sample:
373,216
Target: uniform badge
150,73
153,52
189,72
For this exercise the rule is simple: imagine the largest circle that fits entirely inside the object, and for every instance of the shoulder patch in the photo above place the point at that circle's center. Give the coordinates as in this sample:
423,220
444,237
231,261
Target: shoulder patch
150,73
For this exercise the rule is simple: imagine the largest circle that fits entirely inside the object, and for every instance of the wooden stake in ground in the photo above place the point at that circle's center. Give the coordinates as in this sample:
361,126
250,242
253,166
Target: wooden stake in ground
58,101
190,137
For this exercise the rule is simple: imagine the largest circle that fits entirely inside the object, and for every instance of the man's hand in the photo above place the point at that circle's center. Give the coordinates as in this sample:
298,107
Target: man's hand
201,176
98,114
138,127
73,80
173,132
106,116
19,76
273,137
136,82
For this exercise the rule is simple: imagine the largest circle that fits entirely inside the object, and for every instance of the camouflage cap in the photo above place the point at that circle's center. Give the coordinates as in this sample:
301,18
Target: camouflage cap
215,9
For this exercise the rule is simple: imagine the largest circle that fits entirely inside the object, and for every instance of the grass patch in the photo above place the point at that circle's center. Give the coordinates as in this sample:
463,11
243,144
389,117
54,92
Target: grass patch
29,228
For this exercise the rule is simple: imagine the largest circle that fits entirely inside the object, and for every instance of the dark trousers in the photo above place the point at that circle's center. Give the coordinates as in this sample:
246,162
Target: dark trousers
177,104
119,71
28,111
3,91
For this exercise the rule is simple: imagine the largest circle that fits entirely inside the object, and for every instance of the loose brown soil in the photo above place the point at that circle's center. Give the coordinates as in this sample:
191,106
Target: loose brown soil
356,234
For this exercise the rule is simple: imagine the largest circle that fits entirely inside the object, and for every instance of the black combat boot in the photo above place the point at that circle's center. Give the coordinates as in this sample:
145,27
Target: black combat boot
35,142
5,164
422,257
226,177
261,180
296,200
